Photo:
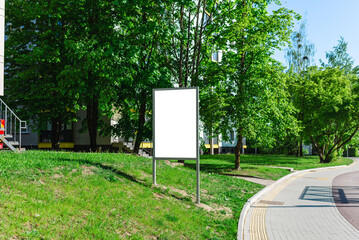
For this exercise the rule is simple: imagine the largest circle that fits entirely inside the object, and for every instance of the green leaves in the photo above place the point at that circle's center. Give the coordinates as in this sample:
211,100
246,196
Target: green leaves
327,100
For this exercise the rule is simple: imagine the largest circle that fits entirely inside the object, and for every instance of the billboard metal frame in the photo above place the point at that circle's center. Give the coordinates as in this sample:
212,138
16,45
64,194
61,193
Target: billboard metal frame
176,158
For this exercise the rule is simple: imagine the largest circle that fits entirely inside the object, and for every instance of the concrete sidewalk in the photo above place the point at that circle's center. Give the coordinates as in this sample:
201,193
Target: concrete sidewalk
300,206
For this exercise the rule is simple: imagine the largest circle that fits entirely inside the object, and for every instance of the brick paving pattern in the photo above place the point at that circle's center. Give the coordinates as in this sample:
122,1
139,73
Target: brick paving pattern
301,207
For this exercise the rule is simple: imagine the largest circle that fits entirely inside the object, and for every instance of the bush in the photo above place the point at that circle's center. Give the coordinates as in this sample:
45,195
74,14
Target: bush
333,156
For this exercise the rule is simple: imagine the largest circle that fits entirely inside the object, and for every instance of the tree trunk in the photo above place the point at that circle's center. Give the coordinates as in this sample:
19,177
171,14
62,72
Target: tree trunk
301,146
211,150
56,126
323,159
141,123
322,156
92,121
237,152
210,138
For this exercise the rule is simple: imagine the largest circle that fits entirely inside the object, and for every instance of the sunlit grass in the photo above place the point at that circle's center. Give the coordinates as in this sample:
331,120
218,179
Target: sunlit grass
59,195
63,195
262,165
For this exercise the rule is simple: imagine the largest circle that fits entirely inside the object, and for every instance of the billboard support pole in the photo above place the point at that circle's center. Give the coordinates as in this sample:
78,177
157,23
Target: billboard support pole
198,153
154,171
154,144
198,183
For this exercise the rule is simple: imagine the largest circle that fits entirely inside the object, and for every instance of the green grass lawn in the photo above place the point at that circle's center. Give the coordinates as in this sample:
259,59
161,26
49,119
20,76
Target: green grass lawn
61,195
262,165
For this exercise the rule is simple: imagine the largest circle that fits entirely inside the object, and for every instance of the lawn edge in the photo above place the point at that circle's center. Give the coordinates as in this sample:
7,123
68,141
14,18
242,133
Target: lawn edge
255,197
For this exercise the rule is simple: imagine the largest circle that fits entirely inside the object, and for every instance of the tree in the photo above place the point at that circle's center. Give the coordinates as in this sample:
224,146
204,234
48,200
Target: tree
35,57
212,103
255,84
299,58
330,109
300,55
339,57
189,43
94,47
141,30
64,55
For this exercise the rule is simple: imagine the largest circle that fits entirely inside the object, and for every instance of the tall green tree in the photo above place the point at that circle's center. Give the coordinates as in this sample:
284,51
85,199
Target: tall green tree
255,83
299,57
212,103
142,30
339,57
190,41
330,109
94,47
35,57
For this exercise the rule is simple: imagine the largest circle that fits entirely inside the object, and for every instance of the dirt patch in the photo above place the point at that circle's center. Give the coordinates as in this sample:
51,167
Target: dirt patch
182,192
86,170
216,208
145,175
57,176
58,168
160,196
38,182
173,164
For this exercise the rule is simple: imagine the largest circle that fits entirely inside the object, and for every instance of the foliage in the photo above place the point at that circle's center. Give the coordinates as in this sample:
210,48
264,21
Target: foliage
212,103
328,99
339,57
258,106
35,57
94,47
142,30
300,55
189,43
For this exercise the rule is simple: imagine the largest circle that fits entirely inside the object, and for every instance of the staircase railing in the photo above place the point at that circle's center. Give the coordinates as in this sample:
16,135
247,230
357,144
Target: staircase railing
14,126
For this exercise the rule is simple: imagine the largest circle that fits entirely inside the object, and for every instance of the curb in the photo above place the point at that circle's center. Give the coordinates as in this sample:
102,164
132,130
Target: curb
255,197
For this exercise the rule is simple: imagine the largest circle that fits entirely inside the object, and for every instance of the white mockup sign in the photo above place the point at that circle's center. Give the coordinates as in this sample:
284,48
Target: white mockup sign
2,45
175,125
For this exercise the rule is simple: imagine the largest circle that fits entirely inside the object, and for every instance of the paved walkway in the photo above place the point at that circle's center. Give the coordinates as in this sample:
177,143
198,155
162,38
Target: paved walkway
302,207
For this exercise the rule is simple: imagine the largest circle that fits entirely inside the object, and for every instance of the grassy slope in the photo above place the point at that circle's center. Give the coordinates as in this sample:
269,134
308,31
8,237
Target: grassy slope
109,196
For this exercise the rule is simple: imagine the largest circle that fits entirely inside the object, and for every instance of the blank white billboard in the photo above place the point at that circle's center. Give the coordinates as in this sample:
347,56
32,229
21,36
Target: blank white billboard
175,123
2,45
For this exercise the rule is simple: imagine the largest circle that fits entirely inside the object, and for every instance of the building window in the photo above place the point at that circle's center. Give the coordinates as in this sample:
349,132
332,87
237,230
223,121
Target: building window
215,56
65,136
232,135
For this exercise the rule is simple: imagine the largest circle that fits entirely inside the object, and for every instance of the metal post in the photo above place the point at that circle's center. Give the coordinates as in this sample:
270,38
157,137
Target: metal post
20,136
198,153
154,171
5,133
198,181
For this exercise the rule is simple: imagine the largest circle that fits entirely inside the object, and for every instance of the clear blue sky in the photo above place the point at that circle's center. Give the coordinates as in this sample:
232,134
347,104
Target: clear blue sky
327,20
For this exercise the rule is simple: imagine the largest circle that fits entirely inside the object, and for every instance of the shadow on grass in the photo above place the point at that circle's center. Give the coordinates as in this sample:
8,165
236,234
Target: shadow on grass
124,175
109,168
210,168
265,160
